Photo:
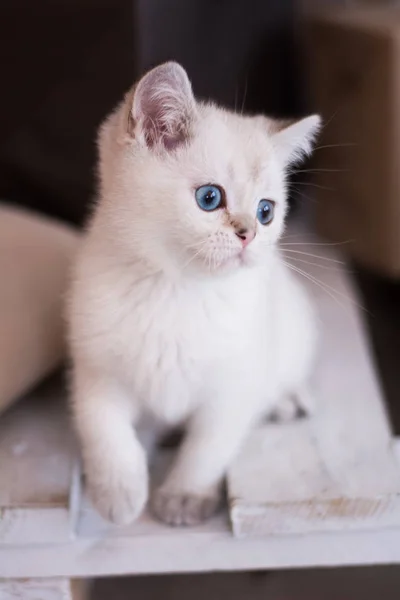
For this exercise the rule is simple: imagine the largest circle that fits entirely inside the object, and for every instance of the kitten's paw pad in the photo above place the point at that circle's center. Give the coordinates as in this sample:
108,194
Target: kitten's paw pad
120,502
305,402
293,406
182,510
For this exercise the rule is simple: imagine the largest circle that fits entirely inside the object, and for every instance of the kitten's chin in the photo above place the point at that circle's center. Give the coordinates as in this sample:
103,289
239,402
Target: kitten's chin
213,265
241,260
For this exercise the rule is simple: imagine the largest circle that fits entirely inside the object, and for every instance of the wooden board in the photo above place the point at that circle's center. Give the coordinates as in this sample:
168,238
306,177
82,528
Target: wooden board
150,548
335,471
43,589
38,463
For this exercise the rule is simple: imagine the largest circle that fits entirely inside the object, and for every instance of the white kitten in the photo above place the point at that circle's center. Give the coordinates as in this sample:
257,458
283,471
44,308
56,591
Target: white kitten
181,306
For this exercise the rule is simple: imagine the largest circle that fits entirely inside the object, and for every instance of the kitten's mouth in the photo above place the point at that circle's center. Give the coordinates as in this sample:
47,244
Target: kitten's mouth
220,260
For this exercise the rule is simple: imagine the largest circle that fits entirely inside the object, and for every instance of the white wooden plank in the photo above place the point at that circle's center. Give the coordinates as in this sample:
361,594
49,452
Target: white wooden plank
150,547
336,470
34,525
208,548
35,589
37,458
36,450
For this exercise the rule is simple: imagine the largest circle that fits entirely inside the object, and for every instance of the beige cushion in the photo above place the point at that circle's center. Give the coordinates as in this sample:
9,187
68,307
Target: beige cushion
35,255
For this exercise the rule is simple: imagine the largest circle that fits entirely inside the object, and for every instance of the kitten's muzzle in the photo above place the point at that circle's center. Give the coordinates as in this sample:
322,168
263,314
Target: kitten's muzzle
245,229
246,236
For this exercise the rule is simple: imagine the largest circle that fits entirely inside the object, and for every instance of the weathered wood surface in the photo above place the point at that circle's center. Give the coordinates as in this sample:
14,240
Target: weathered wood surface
37,466
36,589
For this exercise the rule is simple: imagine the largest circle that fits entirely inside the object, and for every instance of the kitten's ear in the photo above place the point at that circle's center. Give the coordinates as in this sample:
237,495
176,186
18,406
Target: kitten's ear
163,107
294,141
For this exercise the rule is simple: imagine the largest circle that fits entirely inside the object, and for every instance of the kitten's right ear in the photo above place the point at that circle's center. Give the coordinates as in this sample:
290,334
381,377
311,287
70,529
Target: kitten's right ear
295,140
163,107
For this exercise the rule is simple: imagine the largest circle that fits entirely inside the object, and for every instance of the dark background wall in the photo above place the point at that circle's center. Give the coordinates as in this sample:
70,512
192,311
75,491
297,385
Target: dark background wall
65,64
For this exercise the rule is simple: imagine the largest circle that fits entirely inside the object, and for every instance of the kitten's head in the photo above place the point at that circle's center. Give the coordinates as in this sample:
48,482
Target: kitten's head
195,186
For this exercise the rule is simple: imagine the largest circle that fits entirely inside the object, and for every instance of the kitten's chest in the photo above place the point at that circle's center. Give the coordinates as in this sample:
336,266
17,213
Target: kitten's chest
174,336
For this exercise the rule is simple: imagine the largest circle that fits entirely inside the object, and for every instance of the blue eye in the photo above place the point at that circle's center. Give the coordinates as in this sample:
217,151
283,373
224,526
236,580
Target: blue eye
209,197
265,211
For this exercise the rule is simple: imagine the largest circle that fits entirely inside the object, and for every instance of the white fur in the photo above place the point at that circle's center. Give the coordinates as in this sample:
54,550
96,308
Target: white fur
168,315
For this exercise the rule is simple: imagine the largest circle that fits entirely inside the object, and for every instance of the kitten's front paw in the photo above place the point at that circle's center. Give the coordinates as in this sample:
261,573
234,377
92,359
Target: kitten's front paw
120,498
183,509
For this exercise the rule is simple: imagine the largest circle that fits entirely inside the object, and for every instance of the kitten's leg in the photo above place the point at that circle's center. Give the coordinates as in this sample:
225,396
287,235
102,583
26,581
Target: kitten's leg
192,490
114,461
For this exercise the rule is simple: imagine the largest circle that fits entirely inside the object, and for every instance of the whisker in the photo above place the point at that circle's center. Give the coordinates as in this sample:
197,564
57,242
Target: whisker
236,97
196,254
325,125
334,146
244,96
191,259
212,261
334,260
196,244
296,235
324,286
312,184
301,193
291,235
316,264
321,171
208,262
317,243
315,282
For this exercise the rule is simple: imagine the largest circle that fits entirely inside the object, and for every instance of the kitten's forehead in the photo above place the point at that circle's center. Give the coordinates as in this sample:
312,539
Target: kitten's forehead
237,153
241,144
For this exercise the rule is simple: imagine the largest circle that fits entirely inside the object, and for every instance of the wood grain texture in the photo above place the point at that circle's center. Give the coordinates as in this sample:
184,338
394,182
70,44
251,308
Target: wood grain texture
36,450
336,470
150,548
37,461
35,589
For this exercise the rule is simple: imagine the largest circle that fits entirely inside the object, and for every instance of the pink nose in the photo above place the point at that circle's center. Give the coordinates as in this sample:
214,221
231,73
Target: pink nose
246,236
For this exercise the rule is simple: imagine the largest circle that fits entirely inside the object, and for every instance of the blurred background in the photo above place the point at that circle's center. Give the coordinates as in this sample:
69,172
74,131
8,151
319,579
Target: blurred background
64,66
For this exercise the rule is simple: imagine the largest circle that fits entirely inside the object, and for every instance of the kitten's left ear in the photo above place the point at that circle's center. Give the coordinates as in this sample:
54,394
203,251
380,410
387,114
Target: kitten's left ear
163,107
294,141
